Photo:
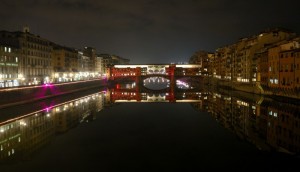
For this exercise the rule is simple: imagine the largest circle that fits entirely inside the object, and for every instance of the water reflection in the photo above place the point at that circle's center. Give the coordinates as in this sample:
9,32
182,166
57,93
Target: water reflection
158,96
23,135
268,124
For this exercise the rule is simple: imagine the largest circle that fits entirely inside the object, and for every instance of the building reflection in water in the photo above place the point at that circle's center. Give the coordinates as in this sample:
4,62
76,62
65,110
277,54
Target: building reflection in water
268,124
22,136
265,123
117,96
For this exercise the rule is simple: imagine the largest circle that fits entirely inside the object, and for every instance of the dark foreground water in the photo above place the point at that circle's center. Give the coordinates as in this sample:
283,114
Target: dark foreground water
109,131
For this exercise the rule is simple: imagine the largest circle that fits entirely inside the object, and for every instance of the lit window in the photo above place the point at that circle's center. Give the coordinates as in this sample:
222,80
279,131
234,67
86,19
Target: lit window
17,59
270,113
9,50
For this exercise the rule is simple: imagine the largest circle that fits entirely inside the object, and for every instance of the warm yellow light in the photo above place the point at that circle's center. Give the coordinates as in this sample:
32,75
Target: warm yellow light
20,76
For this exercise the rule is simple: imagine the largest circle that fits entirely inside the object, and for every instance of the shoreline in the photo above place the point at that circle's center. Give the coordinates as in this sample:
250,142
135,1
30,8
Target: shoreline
19,97
257,90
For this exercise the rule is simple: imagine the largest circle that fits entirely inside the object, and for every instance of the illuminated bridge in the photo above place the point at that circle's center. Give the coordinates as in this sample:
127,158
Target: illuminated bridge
138,73
164,70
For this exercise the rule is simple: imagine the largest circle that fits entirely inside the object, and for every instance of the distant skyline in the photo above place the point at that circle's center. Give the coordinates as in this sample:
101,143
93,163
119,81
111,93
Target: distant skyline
148,31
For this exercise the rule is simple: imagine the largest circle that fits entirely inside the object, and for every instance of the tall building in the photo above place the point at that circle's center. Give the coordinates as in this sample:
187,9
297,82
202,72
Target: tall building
106,62
64,59
90,53
224,61
263,67
279,66
204,59
110,60
99,66
34,61
9,60
83,62
288,70
28,59
247,47
64,62
247,65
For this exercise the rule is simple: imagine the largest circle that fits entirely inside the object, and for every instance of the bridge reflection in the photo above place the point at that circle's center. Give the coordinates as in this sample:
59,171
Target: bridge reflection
268,124
155,96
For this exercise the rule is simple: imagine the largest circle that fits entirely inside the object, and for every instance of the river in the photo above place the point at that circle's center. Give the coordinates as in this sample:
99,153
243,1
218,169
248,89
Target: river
127,130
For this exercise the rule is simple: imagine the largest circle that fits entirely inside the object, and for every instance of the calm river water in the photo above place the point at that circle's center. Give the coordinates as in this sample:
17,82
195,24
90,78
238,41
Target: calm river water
126,130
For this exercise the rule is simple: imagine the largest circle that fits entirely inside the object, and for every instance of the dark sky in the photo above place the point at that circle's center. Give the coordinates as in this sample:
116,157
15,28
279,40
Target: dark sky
148,31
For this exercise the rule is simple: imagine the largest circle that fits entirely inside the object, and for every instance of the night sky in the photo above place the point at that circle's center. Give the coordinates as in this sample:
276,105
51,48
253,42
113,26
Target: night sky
148,31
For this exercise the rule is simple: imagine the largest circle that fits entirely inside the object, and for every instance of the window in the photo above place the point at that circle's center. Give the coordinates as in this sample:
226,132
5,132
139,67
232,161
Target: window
270,113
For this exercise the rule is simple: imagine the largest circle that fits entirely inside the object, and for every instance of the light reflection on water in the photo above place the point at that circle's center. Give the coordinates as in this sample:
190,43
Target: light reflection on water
267,124
22,135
